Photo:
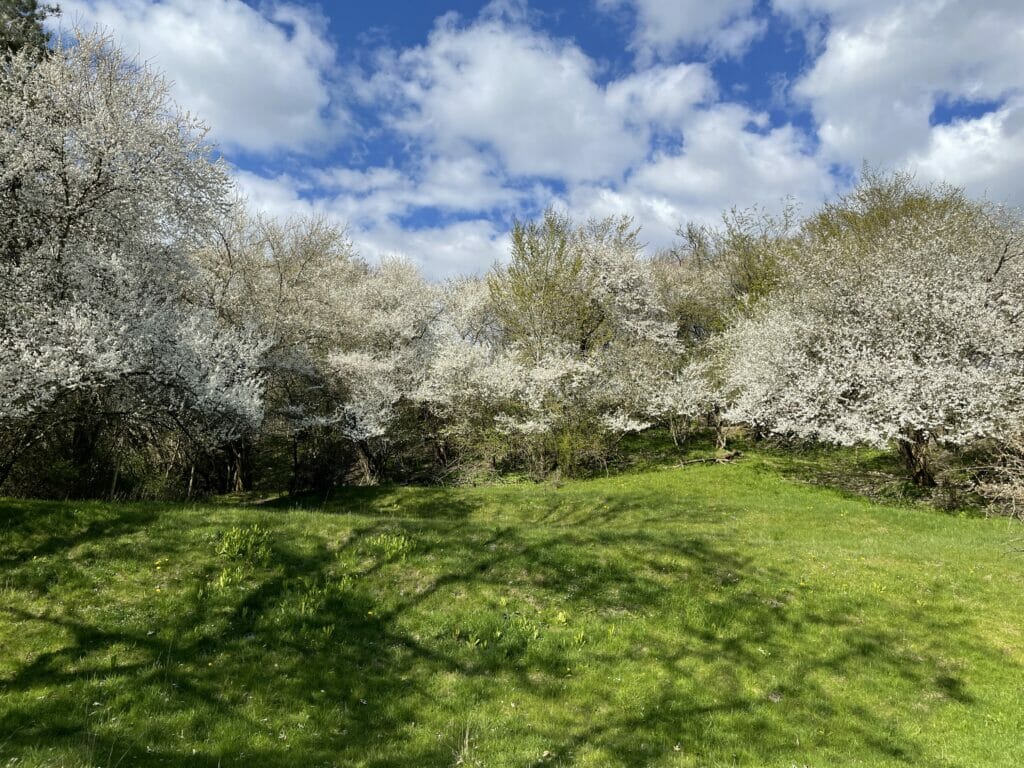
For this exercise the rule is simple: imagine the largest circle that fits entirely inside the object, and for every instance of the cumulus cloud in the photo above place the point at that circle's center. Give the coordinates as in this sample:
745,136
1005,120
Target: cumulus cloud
261,79
731,157
445,250
446,183
502,86
493,117
503,119
984,154
723,27
278,196
662,95
884,68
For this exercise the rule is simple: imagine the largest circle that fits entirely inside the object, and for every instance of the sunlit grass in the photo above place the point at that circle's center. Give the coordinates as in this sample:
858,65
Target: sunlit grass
713,615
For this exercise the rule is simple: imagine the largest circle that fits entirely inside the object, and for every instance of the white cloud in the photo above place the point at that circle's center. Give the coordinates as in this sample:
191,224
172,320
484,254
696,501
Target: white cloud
446,250
493,115
451,250
447,184
885,66
501,86
723,27
662,95
730,154
730,158
985,154
277,196
261,80
491,109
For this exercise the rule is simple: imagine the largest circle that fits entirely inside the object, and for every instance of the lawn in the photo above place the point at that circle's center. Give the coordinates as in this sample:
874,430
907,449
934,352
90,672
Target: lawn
710,615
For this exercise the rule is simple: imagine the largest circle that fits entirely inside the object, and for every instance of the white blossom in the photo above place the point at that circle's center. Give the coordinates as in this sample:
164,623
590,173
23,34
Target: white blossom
385,349
104,189
911,335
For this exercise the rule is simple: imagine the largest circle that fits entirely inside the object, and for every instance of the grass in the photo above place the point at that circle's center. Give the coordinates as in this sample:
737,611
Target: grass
714,615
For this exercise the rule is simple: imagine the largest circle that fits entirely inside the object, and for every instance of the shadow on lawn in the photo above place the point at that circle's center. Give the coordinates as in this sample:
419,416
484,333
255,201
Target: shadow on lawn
435,503
38,529
304,664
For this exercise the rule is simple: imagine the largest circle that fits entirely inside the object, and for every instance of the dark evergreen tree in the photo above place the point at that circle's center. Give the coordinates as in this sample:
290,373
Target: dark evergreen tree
21,25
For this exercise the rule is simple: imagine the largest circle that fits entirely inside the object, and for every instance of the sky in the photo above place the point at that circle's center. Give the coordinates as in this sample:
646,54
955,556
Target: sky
426,127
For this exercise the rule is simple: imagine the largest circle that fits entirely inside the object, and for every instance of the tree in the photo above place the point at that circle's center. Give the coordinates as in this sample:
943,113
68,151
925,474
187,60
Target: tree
715,274
880,201
107,189
384,351
464,383
288,282
546,292
21,26
898,322
710,280
691,392
577,338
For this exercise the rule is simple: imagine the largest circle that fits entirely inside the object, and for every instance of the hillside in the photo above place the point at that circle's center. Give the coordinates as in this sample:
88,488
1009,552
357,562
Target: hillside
710,615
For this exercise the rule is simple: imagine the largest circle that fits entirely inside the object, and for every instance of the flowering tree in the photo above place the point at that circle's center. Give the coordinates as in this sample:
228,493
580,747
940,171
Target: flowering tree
105,187
692,392
714,274
286,281
564,360
384,351
710,280
466,378
902,329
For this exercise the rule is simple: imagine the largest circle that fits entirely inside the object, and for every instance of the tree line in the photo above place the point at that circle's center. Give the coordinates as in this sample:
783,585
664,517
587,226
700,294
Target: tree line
159,339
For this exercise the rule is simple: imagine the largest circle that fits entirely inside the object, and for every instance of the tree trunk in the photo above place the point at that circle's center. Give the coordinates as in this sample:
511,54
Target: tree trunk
371,464
27,437
6,466
677,428
241,466
441,454
293,486
117,473
914,450
84,442
719,424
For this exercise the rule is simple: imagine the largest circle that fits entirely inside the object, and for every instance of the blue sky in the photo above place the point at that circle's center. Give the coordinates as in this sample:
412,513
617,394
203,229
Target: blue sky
427,127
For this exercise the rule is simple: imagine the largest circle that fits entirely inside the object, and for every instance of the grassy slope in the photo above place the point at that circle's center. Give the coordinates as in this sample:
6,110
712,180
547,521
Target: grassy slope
712,615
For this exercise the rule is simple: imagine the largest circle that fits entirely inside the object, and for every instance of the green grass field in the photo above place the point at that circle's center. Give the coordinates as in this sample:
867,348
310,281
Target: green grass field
712,615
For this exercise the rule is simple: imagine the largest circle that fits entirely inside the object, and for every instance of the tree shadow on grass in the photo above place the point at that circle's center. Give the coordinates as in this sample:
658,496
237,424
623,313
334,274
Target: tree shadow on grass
191,681
427,502
37,529
354,651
